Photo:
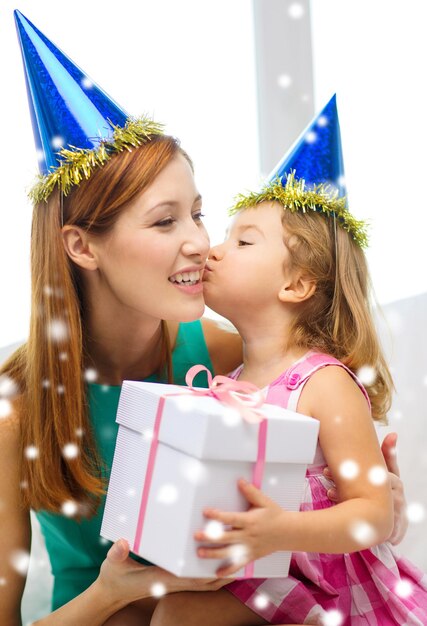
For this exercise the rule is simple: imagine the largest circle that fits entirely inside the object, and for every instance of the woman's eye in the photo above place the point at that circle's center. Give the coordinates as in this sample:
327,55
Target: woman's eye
197,217
244,243
166,222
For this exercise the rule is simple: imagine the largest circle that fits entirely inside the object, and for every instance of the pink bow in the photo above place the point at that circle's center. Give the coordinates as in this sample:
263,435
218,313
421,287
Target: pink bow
240,395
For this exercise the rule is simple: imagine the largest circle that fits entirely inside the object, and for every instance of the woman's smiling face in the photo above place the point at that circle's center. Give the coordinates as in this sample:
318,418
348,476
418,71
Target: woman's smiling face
152,261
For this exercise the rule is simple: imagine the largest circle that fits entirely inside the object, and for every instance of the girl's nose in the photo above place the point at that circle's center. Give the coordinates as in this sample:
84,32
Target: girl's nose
216,252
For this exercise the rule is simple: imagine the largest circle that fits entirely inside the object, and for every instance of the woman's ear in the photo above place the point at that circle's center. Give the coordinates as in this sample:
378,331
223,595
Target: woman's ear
78,247
297,289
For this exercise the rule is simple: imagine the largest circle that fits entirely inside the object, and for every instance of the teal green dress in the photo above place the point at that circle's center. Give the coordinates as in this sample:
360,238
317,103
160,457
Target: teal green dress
76,549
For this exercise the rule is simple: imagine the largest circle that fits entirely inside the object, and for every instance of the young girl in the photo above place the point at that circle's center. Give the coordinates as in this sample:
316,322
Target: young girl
293,279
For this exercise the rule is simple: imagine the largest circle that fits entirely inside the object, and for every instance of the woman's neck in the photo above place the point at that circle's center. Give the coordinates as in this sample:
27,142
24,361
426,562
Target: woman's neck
123,351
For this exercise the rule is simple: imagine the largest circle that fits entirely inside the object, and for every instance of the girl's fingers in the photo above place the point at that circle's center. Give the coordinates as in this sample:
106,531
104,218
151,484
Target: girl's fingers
228,536
253,495
236,554
229,519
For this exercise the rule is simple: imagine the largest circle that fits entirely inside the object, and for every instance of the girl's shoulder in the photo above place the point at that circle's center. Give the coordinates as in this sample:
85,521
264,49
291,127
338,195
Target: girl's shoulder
224,344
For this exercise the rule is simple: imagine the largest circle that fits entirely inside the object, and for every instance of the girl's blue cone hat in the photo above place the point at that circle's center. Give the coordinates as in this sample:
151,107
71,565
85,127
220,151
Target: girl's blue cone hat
311,176
76,125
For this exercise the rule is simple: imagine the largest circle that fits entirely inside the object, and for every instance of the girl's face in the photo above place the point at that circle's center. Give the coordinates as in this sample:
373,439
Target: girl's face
244,274
152,261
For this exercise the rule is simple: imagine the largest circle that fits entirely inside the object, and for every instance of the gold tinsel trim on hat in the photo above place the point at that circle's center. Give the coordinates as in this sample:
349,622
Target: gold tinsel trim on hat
295,196
78,163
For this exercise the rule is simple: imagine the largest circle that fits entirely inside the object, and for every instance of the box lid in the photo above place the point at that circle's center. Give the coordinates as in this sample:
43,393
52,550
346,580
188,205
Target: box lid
205,428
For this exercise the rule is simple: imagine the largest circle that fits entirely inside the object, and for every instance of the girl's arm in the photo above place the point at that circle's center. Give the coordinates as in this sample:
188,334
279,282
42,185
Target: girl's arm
364,515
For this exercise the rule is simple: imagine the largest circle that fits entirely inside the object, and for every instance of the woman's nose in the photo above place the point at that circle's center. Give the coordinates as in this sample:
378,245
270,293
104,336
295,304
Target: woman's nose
197,242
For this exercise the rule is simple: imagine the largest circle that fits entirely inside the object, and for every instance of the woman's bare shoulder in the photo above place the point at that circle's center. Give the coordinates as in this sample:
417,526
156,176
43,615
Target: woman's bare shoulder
224,344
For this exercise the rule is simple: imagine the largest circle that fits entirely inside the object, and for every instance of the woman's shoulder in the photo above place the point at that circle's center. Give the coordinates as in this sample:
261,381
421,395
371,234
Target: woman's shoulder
224,344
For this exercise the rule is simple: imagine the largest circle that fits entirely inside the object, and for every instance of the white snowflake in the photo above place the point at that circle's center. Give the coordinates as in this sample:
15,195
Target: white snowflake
8,387
284,81
377,475
57,330
70,451
214,529
31,452
367,374
322,121
363,533
20,561
332,618
168,494
310,136
158,590
193,470
403,588
57,142
415,512
69,508
238,553
90,375
296,10
349,469
5,408
261,601
86,83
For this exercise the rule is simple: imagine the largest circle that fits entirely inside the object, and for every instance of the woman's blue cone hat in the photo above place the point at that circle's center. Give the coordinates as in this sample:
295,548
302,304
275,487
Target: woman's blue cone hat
70,113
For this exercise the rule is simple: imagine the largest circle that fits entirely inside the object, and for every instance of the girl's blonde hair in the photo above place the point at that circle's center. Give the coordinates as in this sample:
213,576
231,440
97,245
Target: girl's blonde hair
49,368
338,318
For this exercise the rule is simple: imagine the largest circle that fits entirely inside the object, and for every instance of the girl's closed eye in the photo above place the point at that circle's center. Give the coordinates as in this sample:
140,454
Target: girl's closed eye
243,242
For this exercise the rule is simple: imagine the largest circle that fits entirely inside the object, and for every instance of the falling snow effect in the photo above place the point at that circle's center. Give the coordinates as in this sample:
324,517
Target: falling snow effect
284,81
415,512
57,330
349,469
5,408
377,475
238,554
69,508
403,588
367,375
310,137
158,590
8,387
363,533
70,451
296,10
193,470
90,375
332,618
20,561
214,530
261,601
31,452
168,494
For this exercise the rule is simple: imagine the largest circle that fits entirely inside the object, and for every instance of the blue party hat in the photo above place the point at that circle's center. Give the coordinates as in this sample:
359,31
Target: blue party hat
76,124
310,177
316,156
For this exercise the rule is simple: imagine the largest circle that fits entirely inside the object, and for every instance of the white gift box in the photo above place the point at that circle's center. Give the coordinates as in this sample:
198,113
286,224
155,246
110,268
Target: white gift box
195,453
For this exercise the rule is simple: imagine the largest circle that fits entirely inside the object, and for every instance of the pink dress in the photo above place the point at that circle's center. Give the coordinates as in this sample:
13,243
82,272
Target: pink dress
372,587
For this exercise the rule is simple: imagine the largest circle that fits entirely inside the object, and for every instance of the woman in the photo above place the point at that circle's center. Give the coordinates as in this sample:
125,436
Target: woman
118,246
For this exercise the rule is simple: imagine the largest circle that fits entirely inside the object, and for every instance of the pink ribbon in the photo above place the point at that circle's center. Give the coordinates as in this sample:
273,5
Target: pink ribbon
240,395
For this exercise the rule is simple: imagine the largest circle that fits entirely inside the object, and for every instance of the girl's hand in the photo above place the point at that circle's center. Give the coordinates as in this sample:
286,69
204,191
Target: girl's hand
388,449
125,581
253,533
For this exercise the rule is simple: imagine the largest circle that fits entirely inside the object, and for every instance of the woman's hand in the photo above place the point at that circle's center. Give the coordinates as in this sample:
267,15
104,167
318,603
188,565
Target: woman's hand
253,533
388,449
125,581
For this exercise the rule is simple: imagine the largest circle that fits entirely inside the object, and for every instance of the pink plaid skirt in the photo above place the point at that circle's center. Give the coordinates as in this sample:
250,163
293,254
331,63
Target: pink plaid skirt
373,587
